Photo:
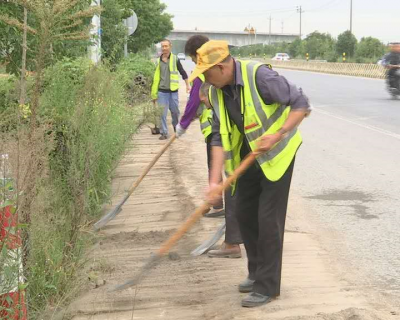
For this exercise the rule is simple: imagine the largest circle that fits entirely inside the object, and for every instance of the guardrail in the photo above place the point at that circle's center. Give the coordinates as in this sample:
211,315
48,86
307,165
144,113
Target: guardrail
348,69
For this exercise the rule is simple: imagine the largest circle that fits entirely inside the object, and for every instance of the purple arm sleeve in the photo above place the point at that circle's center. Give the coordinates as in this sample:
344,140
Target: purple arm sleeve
192,105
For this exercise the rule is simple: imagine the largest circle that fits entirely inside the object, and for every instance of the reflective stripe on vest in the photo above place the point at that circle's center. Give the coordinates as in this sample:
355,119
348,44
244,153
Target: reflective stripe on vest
205,120
231,143
259,119
205,125
205,116
174,76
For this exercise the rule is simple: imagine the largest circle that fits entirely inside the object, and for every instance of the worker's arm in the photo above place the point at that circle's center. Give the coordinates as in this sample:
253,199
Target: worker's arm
273,89
187,86
184,75
190,109
217,162
294,119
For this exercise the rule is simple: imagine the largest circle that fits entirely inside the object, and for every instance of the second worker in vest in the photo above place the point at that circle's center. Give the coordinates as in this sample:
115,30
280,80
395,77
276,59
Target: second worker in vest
198,105
166,85
254,109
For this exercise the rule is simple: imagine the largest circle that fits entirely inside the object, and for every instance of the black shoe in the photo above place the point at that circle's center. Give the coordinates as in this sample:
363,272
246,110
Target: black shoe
255,299
163,137
246,286
215,213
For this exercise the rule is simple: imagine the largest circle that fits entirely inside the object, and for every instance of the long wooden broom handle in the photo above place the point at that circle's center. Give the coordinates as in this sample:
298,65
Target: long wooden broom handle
167,245
151,164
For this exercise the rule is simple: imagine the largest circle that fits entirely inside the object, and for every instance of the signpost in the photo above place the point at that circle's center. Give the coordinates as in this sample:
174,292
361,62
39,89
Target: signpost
95,47
131,23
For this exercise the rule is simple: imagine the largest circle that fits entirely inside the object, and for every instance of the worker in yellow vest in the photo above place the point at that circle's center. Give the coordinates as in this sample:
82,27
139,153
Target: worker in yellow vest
195,108
255,109
166,85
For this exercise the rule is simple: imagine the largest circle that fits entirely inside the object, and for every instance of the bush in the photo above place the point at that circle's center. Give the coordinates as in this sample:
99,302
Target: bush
136,64
8,92
136,75
91,125
84,124
331,56
61,84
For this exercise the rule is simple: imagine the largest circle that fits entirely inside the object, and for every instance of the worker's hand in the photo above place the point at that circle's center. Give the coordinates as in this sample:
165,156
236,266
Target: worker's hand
213,194
179,130
188,88
268,141
154,101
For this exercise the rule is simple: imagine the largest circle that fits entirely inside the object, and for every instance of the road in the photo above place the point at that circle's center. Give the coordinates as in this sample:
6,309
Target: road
348,177
347,171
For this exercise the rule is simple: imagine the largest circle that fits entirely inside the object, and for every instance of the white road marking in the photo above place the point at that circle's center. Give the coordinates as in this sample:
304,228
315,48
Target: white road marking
362,125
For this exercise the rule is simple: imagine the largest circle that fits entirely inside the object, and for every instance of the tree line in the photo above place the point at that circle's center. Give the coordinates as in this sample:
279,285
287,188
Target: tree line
322,46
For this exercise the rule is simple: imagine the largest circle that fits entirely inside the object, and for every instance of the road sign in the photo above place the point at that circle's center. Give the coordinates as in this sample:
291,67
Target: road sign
132,23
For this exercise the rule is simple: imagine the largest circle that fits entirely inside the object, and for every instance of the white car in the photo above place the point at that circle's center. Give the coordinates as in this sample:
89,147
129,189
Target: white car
281,57
181,56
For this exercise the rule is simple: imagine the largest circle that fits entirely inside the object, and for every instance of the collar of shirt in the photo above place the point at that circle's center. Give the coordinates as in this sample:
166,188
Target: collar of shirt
167,59
233,90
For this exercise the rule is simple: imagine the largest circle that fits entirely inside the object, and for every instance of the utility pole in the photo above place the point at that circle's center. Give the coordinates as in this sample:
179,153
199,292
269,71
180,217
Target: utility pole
270,19
299,10
351,16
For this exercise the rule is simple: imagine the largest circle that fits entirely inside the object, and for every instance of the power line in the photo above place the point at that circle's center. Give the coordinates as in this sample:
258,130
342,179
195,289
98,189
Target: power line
289,12
224,14
325,6
251,12
290,16
230,13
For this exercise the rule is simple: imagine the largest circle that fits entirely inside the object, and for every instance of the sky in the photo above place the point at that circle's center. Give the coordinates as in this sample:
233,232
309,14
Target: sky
379,19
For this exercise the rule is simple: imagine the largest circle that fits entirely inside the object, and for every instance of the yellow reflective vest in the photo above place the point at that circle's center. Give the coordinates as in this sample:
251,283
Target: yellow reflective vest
174,76
205,116
259,119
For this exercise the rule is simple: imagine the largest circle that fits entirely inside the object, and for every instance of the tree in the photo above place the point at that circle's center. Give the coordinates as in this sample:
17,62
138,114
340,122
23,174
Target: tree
11,39
370,47
317,45
295,48
11,34
154,24
347,43
114,31
52,22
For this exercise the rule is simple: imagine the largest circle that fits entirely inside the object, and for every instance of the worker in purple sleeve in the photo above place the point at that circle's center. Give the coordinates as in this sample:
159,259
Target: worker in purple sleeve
197,107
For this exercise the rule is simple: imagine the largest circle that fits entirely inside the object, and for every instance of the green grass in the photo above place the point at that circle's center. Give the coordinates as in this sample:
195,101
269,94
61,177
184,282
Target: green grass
87,117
